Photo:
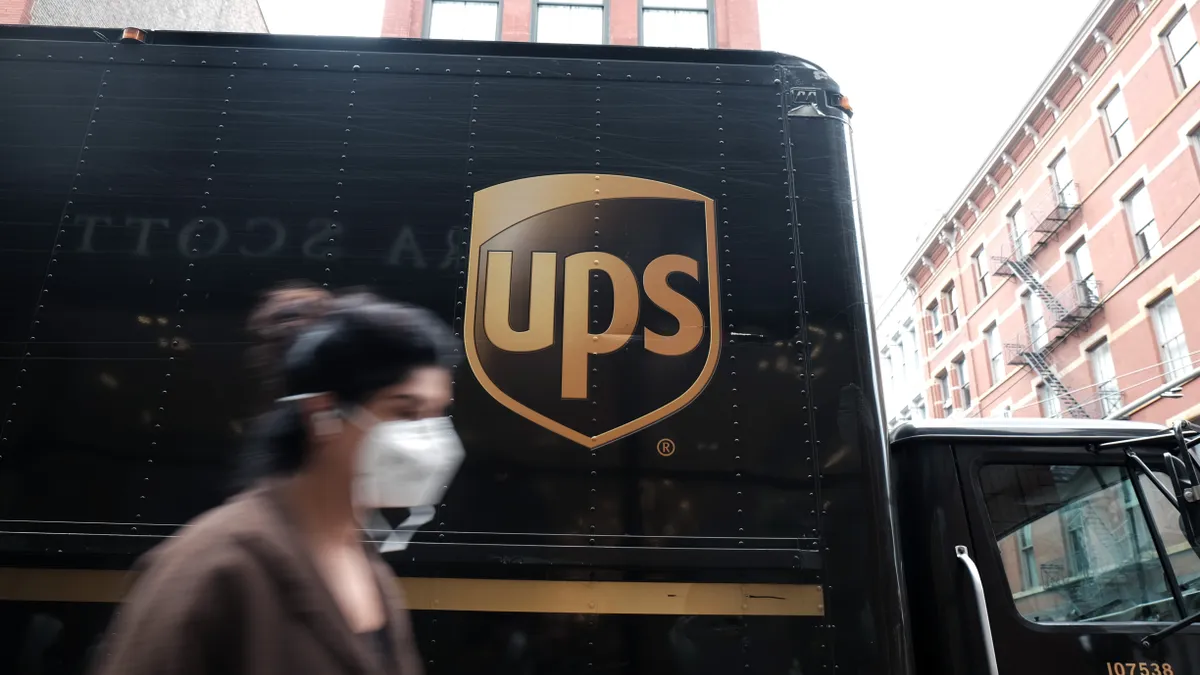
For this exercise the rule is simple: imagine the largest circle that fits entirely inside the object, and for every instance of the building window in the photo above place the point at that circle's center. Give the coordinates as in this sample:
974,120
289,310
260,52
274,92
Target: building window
1116,123
1018,232
676,23
944,393
991,338
980,268
1135,523
1064,181
1181,49
918,409
902,360
950,305
1172,343
1029,568
889,375
1035,321
1105,375
915,351
1077,549
962,382
570,21
1087,291
1141,220
933,324
464,20
1048,401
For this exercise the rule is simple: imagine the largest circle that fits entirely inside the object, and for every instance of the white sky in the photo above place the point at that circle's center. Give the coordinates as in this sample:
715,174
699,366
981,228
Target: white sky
894,60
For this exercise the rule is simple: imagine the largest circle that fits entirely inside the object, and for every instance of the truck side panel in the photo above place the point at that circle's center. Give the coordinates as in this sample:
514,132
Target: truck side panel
160,188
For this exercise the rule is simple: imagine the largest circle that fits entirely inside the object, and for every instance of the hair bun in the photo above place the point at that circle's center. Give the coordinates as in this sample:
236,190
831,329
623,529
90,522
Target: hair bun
282,314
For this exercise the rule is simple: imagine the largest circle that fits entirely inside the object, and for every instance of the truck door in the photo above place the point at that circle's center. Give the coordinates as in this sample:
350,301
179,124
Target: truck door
1072,575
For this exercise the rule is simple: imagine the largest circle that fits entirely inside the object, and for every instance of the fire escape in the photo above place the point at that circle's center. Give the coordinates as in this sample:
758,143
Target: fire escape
1067,310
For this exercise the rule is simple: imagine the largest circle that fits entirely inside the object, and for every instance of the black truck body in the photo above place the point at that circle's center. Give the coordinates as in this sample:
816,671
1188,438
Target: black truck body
675,453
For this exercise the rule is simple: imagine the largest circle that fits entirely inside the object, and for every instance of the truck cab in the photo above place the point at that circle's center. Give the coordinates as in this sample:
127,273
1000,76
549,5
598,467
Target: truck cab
1050,546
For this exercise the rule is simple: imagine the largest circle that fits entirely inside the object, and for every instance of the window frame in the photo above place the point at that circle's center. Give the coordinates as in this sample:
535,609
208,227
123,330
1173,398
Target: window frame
1094,352
945,390
917,377
1048,400
970,466
933,317
1034,311
1031,576
1111,132
1156,323
711,12
1145,252
918,404
948,301
980,267
428,18
1181,83
1080,281
991,335
1020,239
605,34
962,388
1063,160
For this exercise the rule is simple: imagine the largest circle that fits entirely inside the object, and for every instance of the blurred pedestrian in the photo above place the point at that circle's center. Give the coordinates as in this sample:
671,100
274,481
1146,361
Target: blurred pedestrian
278,581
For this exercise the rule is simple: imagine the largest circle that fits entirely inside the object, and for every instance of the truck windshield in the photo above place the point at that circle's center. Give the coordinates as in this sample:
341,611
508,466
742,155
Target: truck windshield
1076,546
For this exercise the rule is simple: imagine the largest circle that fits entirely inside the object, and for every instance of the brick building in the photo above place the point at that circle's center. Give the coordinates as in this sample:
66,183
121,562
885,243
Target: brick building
1062,281
723,24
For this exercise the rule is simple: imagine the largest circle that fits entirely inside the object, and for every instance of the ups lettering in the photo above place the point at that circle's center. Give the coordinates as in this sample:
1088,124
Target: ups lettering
578,340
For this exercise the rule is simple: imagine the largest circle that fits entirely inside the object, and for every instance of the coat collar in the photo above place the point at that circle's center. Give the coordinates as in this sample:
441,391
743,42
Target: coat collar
278,543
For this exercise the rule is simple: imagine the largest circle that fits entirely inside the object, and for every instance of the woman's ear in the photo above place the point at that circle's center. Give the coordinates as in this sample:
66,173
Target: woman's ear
321,415
326,423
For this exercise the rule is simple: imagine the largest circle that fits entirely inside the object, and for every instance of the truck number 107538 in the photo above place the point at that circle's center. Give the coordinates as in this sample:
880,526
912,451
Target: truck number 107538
1139,668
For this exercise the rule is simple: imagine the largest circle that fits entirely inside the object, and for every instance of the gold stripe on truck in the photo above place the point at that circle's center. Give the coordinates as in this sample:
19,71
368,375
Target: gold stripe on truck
484,595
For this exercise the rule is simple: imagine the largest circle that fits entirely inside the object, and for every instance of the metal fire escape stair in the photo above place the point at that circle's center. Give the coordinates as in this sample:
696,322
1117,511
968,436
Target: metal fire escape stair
1037,361
1108,549
1023,271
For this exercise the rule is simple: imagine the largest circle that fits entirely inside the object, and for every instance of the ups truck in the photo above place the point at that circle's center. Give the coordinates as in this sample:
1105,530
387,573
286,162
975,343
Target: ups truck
677,461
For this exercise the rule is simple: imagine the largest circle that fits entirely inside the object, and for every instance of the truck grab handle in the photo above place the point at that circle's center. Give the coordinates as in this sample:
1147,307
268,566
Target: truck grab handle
989,647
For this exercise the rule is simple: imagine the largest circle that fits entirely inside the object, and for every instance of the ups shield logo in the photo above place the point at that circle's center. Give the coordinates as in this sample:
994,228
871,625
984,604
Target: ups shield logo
591,301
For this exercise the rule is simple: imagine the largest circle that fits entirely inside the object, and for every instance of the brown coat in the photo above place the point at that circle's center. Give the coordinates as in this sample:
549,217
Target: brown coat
237,594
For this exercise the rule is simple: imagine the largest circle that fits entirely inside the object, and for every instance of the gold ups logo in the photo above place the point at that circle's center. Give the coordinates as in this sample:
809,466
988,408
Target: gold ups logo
591,301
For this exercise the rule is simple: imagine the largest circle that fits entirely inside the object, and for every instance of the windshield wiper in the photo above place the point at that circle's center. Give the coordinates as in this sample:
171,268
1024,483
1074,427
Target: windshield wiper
1155,638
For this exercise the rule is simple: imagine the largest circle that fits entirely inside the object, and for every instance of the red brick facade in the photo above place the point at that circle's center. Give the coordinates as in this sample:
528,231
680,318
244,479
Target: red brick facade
402,19
15,11
736,21
1124,52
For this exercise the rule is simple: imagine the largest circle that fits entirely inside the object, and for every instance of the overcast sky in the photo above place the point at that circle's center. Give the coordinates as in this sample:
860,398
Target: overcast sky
934,84
895,60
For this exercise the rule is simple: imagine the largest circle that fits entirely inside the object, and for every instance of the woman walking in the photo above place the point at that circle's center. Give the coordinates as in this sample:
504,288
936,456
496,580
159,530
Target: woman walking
277,581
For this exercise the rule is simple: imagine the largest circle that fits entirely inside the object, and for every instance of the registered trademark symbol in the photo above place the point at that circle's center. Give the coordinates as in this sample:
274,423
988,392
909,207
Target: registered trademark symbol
666,447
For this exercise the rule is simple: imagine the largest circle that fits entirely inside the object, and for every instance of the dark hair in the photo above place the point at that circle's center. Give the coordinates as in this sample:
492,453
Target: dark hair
283,313
352,345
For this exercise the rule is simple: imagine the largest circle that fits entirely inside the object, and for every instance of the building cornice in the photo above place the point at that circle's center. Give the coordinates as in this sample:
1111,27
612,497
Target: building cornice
1088,33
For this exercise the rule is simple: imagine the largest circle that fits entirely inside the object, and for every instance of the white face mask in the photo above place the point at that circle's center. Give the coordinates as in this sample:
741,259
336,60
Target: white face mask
405,464
402,464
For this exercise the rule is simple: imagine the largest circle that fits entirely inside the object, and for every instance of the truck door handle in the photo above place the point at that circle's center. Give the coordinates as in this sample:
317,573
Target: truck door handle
989,646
